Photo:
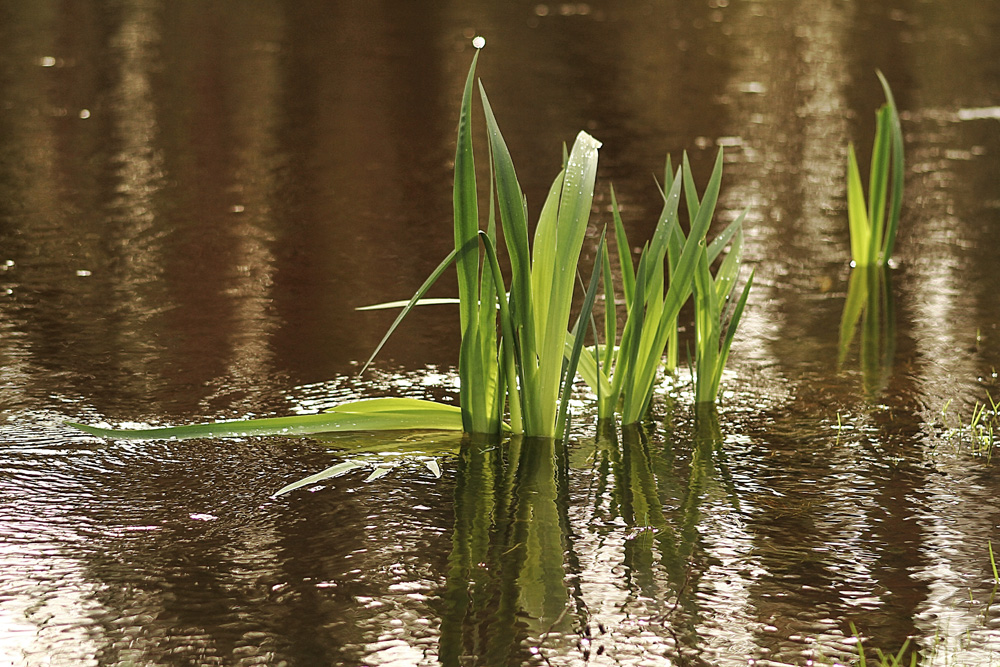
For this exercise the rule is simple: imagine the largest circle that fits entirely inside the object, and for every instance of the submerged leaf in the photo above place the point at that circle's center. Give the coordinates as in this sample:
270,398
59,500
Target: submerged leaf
381,471
332,471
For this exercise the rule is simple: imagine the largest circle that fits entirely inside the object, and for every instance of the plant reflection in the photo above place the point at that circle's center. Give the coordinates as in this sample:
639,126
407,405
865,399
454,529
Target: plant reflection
870,301
648,483
510,590
507,592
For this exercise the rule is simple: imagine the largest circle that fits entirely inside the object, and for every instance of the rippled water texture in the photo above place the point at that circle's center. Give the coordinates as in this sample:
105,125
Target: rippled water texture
195,197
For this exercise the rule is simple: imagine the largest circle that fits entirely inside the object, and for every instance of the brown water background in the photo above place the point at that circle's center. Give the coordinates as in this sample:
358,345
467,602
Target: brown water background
195,197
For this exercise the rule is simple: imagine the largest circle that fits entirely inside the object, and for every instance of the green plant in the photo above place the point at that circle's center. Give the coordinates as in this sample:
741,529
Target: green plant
377,414
624,375
715,321
885,659
981,427
873,232
535,318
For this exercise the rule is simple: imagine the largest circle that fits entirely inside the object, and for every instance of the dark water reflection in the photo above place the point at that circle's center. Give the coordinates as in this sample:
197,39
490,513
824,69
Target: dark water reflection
195,197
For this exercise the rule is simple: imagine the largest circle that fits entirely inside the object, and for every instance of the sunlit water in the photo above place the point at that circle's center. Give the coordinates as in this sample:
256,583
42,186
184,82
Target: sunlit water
194,199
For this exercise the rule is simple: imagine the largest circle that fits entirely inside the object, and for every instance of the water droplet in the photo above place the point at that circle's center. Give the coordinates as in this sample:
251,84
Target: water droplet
479,41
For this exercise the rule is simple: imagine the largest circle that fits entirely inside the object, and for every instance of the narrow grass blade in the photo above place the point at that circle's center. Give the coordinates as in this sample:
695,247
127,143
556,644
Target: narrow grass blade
878,182
543,258
466,204
707,323
727,342
668,238
575,204
624,251
477,372
725,277
578,336
690,191
719,243
517,315
389,305
857,216
592,374
610,315
414,301
513,367
898,171
512,213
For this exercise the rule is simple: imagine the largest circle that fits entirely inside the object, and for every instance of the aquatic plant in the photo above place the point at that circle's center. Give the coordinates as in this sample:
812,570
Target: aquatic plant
624,375
716,317
518,355
377,414
981,427
885,659
873,232
526,360
535,318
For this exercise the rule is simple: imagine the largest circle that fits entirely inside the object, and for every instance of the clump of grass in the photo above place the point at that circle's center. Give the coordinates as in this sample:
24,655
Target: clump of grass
671,267
873,226
716,317
981,427
524,364
535,318
518,356
897,659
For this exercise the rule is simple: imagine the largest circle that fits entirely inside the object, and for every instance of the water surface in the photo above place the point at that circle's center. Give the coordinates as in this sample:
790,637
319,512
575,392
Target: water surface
195,198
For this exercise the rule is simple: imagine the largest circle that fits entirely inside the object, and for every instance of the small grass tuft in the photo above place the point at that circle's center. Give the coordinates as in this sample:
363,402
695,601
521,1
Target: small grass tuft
873,229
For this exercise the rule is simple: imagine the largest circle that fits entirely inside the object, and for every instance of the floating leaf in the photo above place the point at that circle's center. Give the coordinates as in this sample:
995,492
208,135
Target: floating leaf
381,471
379,414
332,471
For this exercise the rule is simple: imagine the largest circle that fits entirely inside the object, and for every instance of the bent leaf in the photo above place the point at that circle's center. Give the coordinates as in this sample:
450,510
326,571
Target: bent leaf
379,414
381,471
415,300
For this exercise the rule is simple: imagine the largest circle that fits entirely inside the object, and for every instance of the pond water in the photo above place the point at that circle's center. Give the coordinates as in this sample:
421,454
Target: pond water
195,197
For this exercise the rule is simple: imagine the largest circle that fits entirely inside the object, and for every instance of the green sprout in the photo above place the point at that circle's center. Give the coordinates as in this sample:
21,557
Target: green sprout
873,232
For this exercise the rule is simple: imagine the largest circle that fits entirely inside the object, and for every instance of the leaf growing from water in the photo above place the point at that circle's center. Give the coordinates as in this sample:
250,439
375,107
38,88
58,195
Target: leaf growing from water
873,226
